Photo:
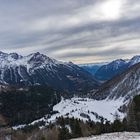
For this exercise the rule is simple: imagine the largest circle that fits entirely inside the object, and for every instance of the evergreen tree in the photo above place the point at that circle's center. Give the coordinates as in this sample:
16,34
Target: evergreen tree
63,134
77,130
117,126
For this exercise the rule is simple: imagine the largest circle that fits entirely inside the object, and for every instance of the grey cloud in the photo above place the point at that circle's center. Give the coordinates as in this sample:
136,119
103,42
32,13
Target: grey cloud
53,27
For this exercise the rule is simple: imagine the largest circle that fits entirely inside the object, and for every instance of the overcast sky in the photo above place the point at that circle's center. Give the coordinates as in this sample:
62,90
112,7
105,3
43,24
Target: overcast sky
82,31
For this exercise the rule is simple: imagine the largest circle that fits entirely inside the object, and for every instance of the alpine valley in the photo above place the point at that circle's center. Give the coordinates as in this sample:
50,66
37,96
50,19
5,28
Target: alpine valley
40,96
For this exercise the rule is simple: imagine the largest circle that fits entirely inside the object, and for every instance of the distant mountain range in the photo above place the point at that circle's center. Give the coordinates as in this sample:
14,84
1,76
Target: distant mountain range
92,67
38,69
107,71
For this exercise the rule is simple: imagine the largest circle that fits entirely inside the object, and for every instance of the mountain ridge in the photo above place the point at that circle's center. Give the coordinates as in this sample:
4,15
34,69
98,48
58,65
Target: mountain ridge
125,85
38,69
106,71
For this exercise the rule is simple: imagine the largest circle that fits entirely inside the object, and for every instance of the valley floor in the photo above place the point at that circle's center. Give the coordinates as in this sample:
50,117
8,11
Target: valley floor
114,136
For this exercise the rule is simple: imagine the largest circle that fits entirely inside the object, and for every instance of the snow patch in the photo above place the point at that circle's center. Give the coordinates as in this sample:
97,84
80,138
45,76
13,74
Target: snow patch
76,106
114,136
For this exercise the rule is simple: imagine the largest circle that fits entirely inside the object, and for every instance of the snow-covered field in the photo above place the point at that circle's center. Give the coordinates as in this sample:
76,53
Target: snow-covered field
114,136
85,109
76,107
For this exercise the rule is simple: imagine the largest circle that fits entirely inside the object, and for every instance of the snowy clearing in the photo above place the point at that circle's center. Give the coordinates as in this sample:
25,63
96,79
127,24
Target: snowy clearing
84,109
114,136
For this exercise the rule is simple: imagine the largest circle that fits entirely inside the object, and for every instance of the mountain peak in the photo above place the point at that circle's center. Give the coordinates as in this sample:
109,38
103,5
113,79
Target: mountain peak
134,60
39,58
136,56
15,56
39,69
118,62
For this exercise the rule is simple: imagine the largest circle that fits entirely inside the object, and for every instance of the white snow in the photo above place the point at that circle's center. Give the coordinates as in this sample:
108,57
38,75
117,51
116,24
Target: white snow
114,136
75,106
19,126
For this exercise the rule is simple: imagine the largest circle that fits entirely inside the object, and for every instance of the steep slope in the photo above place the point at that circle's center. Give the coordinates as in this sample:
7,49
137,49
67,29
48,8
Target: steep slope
134,60
24,105
125,85
38,69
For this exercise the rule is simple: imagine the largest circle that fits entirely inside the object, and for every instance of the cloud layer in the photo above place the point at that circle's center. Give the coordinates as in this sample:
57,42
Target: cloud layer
82,31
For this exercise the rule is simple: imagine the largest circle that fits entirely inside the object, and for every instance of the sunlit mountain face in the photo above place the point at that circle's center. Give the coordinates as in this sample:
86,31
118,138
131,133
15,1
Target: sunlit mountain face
79,31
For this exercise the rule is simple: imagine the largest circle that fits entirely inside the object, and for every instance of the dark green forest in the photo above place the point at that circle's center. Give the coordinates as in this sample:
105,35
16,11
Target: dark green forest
25,106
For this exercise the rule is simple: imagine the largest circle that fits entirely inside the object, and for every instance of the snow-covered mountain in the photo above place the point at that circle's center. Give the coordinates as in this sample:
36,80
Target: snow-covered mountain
38,69
134,60
108,71
125,85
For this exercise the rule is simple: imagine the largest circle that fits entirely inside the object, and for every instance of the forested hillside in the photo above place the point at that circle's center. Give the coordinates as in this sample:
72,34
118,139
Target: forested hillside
26,105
